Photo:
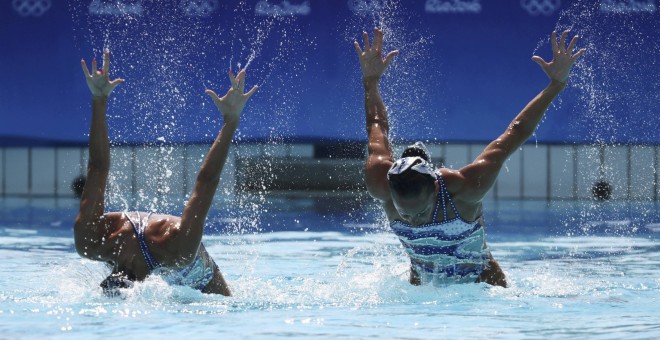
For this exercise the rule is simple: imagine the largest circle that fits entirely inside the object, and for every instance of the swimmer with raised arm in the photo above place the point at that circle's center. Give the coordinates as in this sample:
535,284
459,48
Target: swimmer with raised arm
138,244
437,213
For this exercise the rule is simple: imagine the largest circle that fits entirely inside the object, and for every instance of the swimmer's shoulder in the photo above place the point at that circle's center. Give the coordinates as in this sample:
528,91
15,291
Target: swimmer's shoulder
157,225
113,221
461,193
454,179
162,229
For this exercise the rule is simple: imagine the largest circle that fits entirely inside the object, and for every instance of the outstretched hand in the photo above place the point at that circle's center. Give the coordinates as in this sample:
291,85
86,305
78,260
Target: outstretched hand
371,58
562,58
99,81
233,102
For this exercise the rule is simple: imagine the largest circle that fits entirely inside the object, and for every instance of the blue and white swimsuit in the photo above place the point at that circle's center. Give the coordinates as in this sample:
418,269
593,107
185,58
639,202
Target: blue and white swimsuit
449,251
197,275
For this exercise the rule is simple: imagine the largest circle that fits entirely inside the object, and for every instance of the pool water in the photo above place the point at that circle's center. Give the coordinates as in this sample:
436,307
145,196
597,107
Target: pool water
327,267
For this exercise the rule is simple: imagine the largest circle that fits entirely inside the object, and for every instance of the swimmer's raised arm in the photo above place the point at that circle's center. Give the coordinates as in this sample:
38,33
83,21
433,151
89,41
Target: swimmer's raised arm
194,214
480,176
380,157
89,227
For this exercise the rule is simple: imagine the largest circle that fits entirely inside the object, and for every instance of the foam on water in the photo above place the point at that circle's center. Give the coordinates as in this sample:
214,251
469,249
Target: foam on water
341,282
330,270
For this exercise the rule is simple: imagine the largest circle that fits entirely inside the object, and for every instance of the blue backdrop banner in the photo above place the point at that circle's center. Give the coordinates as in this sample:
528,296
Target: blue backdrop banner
463,72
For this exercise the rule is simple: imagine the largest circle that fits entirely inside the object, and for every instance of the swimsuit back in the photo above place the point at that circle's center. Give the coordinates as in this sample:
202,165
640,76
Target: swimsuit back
449,251
196,275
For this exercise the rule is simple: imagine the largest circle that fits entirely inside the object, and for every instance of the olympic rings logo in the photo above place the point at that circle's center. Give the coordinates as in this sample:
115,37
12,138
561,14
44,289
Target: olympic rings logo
34,8
198,8
536,7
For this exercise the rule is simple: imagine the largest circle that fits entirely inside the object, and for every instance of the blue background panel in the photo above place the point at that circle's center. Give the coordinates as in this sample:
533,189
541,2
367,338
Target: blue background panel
463,72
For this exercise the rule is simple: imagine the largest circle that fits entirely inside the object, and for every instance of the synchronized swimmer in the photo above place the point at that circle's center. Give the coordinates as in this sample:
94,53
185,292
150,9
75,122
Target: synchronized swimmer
138,244
435,212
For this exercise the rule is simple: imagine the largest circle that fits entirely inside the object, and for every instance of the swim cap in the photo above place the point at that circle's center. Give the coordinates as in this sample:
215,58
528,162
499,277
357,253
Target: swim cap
418,149
417,164
112,284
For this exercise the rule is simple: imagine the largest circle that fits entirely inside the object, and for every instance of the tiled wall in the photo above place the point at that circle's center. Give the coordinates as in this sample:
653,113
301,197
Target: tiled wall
561,165
16,171
537,171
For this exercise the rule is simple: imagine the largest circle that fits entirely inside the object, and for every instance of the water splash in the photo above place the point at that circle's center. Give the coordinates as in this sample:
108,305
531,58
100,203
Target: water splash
168,53
608,94
610,74
402,90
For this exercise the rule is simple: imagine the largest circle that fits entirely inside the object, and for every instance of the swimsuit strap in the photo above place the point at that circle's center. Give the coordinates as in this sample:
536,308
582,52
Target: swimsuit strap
437,206
445,192
442,195
139,231
440,200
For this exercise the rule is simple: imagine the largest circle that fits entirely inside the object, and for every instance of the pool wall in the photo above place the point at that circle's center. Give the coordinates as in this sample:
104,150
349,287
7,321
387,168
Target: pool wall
537,171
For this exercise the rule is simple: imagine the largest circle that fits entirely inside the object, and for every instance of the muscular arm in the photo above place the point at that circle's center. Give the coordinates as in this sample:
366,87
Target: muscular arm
208,178
189,236
380,158
90,226
477,178
480,175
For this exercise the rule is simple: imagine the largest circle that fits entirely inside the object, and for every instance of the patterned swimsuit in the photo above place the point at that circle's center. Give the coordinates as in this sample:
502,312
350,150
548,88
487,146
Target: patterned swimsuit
197,275
449,251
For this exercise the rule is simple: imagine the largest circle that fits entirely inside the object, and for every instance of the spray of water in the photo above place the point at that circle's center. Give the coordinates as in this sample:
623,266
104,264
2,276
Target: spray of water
169,53
611,73
612,87
402,89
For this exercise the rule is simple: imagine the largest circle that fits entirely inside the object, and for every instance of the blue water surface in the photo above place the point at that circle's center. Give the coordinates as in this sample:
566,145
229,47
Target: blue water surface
327,267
